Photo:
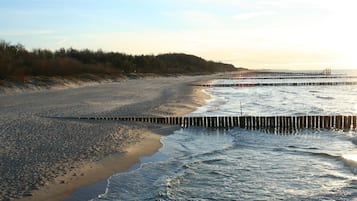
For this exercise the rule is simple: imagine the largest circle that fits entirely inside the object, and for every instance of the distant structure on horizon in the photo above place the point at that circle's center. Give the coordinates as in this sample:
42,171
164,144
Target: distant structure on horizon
327,71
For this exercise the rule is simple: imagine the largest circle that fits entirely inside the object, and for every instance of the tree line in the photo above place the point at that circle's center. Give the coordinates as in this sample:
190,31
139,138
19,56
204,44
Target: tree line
17,61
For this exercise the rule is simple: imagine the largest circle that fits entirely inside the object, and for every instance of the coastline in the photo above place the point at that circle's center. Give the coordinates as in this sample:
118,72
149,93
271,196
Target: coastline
90,173
96,171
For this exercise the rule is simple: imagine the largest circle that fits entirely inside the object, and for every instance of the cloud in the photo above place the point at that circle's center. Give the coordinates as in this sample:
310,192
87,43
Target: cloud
250,15
25,32
61,42
198,18
229,2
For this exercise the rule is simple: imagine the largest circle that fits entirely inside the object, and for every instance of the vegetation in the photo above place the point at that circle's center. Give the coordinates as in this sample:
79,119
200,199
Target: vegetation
17,62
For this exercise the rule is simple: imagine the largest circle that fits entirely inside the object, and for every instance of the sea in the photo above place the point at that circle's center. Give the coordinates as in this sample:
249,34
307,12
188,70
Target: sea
238,164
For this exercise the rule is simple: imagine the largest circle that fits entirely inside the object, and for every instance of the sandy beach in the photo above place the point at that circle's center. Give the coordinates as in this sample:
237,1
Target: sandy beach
47,158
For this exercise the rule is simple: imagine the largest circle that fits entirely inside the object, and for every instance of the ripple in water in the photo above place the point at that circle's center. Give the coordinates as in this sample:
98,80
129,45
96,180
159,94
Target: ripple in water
242,165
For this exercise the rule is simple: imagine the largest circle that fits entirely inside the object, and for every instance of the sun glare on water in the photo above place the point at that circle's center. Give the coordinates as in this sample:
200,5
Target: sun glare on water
350,157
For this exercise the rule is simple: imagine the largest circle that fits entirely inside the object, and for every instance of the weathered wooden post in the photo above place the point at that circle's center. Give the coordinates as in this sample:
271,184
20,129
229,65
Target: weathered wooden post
241,122
338,122
248,122
346,122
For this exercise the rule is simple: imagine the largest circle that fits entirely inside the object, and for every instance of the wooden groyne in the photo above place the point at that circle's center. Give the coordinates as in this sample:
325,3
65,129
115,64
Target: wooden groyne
278,84
286,77
247,122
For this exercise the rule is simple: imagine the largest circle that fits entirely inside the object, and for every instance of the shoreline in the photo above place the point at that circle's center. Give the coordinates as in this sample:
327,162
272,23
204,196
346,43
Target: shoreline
96,171
89,173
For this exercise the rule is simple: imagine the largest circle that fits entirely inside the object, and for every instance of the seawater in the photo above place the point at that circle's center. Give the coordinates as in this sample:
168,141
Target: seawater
238,164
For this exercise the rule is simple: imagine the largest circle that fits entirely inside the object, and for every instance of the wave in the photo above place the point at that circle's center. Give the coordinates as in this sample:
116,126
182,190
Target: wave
331,176
325,97
354,140
350,158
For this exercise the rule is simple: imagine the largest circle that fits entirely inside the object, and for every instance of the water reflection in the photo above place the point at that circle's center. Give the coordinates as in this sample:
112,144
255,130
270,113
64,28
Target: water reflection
350,157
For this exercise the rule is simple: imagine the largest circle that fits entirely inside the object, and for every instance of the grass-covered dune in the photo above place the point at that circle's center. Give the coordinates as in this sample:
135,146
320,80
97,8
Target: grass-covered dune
16,62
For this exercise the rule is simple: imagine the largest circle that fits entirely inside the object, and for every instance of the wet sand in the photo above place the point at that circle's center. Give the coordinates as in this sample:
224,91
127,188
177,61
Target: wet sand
44,158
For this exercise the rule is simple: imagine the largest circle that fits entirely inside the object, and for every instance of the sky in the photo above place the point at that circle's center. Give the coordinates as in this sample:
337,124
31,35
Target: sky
269,34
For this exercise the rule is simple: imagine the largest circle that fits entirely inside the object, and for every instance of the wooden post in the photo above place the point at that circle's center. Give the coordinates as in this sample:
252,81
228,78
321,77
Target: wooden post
333,122
330,122
240,122
347,121
342,122
244,122
298,122
338,122
324,120
248,122
251,122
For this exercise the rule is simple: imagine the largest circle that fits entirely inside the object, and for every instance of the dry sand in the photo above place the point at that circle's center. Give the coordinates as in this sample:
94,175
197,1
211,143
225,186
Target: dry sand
45,158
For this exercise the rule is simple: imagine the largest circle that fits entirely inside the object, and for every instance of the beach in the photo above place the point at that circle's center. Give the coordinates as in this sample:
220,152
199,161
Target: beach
46,157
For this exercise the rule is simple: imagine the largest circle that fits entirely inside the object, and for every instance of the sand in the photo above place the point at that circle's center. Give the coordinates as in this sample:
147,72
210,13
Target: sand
91,172
46,158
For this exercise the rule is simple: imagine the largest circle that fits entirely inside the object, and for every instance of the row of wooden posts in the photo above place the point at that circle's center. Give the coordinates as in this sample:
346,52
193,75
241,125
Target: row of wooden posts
286,77
278,84
248,122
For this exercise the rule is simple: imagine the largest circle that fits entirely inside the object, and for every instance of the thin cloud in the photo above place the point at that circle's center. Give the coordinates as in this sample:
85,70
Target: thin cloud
250,15
198,18
61,42
26,32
